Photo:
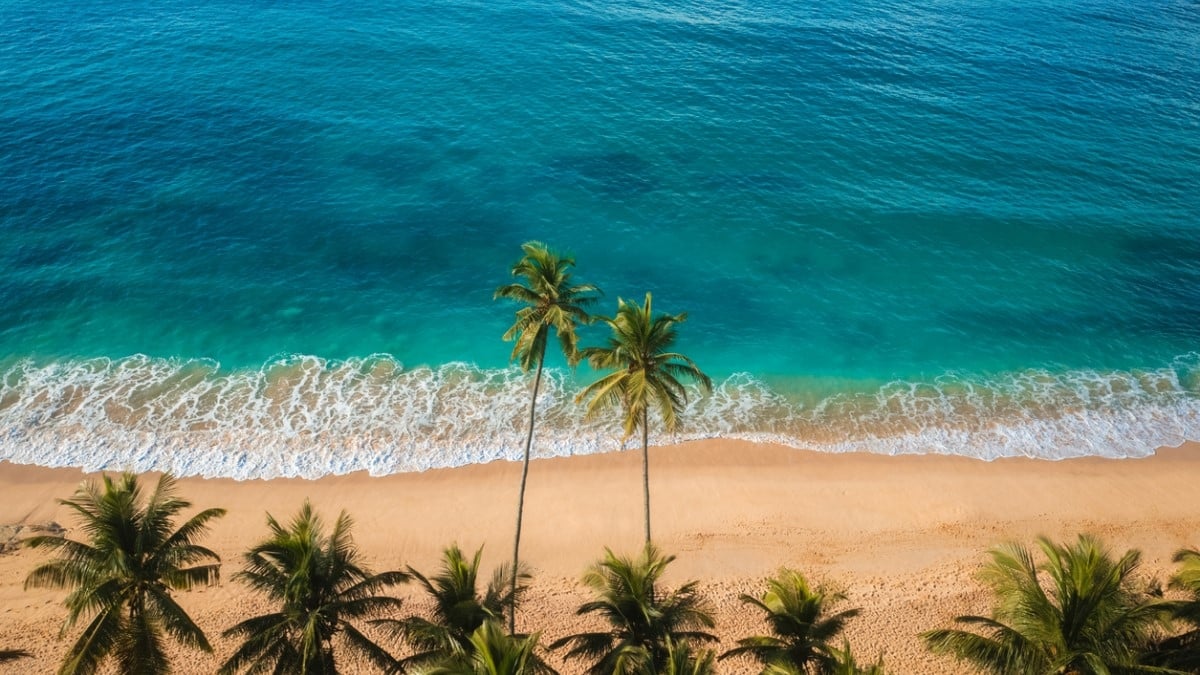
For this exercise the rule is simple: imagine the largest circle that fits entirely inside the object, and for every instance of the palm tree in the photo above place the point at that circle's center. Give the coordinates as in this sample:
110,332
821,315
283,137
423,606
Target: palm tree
321,588
458,609
495,653
646,376
1183,651
122,577
801,627
551,301
1076,613
645,621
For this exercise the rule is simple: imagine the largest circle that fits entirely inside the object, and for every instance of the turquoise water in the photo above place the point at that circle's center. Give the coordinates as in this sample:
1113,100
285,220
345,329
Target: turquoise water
259,239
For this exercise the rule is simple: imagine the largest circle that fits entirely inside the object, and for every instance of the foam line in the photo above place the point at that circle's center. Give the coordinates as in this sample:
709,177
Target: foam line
307,416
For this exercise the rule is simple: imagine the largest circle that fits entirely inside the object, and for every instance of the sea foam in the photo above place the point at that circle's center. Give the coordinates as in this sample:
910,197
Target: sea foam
306,416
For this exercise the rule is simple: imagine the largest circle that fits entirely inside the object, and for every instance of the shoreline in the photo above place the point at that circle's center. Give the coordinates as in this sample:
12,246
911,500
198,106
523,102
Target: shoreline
313,417
901,535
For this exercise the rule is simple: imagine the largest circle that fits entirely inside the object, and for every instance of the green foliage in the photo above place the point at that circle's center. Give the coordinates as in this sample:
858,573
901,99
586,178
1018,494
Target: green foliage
123,575
645,376
845,664
1183,651
552,302
494,653
683,659
646,373
801,628
320,588
645,622
458,609
1077,612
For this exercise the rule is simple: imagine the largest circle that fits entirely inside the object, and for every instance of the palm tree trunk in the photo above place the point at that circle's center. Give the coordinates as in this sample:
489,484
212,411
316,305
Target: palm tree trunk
646,466
537,381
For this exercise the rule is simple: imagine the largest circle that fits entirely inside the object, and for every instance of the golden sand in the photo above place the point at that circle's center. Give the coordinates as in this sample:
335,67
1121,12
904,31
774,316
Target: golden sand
901,536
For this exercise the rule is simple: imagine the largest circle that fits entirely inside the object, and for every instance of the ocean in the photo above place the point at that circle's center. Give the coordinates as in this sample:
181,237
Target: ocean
259,239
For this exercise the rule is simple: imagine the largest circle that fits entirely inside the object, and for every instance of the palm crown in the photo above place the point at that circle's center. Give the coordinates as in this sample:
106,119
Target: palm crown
801,627
457,610
646,623
123,575
1075,613
494,653
320,588
646,374
552,302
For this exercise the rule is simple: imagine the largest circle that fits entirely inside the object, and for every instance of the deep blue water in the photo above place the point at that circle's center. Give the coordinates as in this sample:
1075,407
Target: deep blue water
251,238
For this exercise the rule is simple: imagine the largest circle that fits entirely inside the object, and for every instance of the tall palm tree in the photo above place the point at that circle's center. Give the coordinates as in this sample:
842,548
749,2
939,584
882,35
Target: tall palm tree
1078,613
123,575
321,587
495,653
801,627
645,620
458,609
646,375
552,302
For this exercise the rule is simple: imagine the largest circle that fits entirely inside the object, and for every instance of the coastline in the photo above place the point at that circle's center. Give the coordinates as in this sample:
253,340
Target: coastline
308,417
901,535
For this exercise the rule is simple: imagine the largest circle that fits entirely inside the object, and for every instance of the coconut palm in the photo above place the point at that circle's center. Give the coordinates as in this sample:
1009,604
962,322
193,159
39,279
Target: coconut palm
646,375
458,609
1075,613
123,575
321,588
1183,651
494,653
801,627
644,620
552,302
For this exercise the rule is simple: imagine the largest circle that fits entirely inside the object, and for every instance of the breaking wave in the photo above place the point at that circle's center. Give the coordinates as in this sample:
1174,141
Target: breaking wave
307,416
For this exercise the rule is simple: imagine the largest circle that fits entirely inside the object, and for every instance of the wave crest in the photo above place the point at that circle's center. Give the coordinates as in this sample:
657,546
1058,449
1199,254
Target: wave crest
307,416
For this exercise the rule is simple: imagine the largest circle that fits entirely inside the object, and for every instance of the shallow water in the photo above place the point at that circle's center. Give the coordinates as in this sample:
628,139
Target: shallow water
262,241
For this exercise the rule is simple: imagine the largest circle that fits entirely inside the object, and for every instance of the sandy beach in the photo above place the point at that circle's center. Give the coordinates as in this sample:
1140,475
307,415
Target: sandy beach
901,536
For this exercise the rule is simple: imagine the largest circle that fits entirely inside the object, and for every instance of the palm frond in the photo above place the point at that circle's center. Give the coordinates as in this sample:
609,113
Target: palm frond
140,647
98,640
459,606
266,649
801,623
176,621
320,588
1077,611
119,576
368,649
644,619
551,299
